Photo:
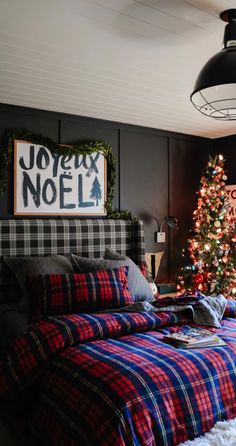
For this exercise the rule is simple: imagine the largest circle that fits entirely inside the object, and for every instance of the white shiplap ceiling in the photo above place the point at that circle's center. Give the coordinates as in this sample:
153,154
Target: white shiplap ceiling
122,60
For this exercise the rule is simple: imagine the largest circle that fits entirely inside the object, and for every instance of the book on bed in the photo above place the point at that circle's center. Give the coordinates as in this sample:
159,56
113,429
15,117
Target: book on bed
194,338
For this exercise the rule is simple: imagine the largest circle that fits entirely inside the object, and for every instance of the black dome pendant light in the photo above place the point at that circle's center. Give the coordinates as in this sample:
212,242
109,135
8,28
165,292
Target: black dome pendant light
214,92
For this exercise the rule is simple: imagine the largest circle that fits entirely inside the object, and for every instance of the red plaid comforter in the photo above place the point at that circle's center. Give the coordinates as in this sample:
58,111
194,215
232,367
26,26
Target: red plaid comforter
109,380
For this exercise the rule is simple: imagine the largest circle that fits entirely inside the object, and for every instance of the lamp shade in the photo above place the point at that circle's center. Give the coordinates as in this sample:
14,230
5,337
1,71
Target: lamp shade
214,91
171,221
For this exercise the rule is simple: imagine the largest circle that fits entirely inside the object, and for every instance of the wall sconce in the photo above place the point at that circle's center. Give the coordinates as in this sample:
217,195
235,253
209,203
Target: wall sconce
160,236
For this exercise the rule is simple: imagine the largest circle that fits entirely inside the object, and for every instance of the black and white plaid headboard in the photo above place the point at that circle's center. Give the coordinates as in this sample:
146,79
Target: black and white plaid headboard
86,237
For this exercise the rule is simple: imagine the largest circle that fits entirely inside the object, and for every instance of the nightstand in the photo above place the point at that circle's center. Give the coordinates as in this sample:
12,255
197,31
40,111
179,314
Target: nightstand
166,288
162,296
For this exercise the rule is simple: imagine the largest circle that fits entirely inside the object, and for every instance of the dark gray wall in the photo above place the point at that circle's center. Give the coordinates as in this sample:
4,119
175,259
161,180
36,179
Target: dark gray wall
188,158
158,172
227,146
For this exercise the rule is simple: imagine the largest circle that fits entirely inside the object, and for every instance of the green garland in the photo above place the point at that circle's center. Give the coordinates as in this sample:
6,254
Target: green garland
6,152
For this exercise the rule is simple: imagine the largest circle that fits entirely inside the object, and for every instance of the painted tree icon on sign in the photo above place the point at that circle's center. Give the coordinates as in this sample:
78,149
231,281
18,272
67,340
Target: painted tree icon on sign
96,193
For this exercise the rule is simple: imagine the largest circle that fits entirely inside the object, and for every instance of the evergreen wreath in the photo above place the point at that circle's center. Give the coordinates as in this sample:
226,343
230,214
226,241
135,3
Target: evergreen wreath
6,152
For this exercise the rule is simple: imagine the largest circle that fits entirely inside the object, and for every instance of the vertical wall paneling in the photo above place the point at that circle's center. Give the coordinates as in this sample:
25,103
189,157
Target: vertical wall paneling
158,172
144,181
227,146
59,131
76,129
188,158
167,229
37,121
118,170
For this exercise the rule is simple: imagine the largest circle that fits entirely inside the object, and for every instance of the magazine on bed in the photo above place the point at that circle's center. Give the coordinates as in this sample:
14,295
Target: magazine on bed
194,338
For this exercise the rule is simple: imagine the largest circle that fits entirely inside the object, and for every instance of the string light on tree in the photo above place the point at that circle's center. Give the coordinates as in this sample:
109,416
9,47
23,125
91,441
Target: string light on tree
211,252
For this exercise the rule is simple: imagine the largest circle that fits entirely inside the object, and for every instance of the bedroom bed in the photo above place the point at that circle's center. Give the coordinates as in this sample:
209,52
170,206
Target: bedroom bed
78,370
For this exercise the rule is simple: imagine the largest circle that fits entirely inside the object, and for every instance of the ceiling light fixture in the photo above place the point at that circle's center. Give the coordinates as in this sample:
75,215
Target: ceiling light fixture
214,92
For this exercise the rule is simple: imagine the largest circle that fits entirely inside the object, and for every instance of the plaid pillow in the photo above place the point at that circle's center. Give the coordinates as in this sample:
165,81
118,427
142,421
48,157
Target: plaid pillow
22,267
73,293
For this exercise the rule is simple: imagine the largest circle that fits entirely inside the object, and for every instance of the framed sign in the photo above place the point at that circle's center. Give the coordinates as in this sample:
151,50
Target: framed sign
231,191
47,183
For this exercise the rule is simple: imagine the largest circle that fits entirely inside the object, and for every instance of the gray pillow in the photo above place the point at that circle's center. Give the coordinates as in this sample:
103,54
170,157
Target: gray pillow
22,267
138,286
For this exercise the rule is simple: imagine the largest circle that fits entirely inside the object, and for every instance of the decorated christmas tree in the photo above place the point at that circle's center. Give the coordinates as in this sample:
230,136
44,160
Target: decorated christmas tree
211,256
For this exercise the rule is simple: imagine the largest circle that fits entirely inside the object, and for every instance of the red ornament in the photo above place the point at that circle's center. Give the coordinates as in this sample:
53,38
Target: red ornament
198,279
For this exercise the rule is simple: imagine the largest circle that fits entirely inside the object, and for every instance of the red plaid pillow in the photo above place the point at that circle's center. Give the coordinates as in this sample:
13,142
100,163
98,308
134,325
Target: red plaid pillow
73,293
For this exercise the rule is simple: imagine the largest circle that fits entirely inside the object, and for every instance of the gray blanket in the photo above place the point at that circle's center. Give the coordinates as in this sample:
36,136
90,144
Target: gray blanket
208,311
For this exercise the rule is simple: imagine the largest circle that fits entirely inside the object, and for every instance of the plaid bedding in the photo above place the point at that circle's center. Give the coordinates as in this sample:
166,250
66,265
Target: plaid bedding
109,380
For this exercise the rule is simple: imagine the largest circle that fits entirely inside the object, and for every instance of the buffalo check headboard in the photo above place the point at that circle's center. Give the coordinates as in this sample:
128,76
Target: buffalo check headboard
86,237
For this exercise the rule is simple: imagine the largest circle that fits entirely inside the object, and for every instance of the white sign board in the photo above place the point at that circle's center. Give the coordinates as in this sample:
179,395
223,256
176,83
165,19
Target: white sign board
46,183
231,190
